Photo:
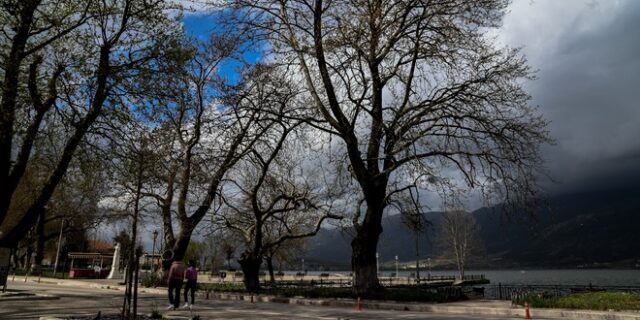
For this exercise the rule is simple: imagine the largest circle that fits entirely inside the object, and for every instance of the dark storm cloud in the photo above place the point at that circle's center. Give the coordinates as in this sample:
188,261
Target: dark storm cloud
589,87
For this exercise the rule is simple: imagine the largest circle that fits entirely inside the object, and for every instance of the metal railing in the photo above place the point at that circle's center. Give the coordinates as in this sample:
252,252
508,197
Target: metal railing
301,279
325,280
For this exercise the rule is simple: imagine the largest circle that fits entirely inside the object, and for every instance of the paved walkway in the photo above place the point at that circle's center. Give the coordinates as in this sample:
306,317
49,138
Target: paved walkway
91,296
84,300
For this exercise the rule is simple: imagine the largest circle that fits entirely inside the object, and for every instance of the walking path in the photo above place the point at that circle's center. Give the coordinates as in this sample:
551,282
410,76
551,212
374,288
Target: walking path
481,309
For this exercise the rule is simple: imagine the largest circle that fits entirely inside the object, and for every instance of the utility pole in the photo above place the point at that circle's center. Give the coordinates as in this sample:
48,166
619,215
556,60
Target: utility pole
429,266
153,251
396,266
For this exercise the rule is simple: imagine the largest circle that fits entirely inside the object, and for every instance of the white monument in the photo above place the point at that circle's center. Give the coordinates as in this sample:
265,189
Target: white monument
115,265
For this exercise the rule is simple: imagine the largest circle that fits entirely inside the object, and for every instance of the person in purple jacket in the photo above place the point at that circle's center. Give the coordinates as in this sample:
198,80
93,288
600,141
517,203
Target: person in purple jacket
192,282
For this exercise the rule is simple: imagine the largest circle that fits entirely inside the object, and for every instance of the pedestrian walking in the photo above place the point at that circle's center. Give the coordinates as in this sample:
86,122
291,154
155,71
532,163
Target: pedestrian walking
192,282
176,277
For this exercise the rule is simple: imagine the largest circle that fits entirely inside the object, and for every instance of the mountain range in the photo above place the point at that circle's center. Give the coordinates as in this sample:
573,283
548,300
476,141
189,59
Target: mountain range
590,230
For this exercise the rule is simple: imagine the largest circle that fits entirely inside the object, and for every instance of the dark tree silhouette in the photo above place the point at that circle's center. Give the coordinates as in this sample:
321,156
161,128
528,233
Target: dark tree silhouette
413,88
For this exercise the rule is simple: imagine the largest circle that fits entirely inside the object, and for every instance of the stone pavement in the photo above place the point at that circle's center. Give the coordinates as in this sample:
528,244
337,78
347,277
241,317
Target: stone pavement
236,306
86,301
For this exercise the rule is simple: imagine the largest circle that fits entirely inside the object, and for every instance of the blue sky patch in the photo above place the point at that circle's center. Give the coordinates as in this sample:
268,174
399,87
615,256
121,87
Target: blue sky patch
200,26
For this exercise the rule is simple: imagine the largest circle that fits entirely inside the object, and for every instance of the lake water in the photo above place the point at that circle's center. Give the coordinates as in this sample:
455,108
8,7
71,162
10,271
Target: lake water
596,277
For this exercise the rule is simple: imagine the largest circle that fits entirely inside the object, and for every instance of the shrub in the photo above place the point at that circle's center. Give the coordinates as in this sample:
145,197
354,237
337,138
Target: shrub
150,280
155,314
221,287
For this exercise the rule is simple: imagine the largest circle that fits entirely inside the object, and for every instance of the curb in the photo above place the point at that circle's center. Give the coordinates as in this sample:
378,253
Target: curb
439,308
34,297
93,285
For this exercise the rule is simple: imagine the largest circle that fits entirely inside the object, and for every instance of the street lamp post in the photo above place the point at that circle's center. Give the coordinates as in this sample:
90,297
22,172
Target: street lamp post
55,265
153,251
396,266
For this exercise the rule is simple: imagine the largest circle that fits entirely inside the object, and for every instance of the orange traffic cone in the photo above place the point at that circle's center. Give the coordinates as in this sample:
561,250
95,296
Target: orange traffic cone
527,315
359,305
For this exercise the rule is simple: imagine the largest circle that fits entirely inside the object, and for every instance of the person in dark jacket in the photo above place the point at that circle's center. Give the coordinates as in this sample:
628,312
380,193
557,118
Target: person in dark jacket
192,282
175,279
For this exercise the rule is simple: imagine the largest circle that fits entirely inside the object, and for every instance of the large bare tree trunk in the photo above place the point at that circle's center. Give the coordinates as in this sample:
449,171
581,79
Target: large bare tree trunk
364,248
250,264
28,256
181,245
272,278
365,243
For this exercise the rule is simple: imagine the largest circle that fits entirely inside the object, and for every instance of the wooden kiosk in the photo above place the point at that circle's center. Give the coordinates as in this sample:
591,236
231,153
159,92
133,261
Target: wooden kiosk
89,265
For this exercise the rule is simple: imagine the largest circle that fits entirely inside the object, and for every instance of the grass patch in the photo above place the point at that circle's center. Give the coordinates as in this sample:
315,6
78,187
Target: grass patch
589,300
393,294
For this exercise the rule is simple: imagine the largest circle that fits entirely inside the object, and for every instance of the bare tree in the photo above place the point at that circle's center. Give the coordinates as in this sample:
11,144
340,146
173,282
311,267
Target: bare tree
229,250
219,246
413,218
459,238
81,52
30,32
203,130
73,206
213,253
414,89
287,252
270,197
135,164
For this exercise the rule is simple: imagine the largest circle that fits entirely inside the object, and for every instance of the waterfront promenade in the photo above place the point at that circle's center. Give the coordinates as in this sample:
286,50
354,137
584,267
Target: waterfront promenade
54,297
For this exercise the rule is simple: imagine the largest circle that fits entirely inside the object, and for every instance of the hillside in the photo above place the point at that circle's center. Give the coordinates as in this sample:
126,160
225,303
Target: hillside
596,229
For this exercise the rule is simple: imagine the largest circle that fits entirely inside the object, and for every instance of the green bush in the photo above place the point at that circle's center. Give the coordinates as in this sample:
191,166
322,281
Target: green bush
311,292
589,300
221,287
150,280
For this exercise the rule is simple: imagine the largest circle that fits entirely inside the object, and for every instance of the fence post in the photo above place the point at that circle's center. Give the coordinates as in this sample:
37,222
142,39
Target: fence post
500,290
